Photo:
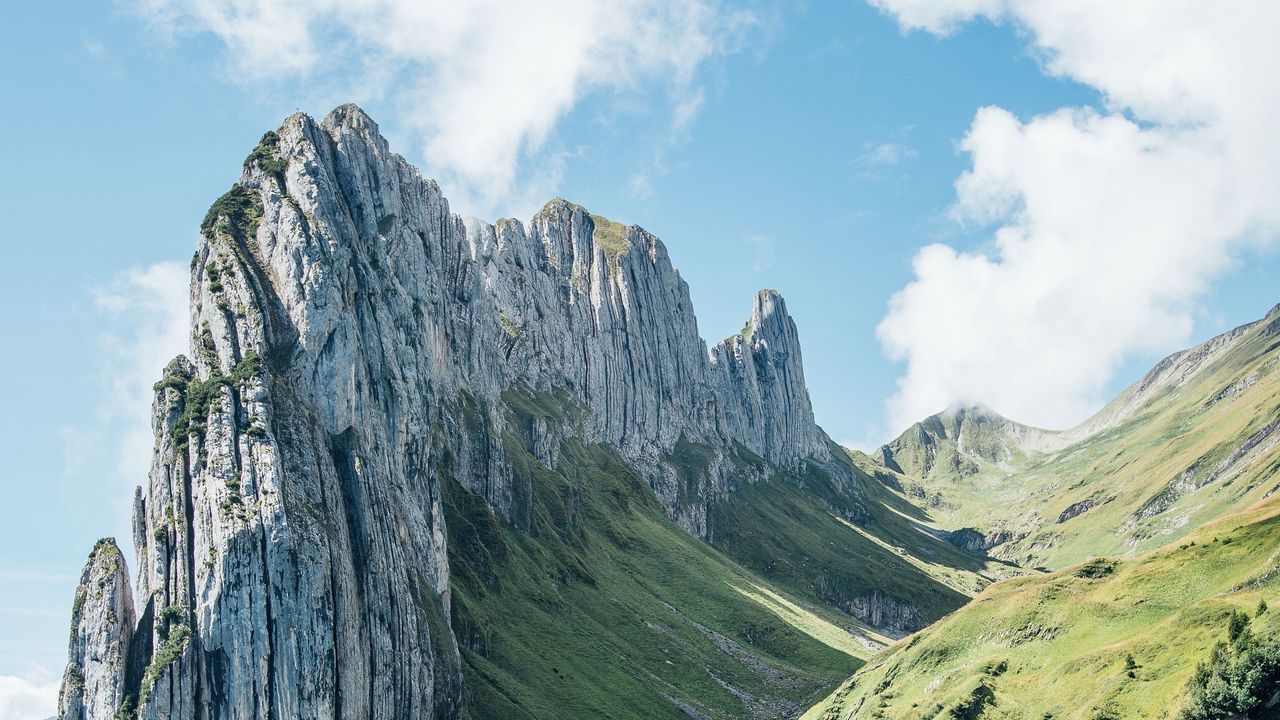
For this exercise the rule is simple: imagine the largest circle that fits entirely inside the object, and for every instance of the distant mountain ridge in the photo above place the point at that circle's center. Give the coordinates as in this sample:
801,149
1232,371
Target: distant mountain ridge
962,439
1161,519
1000,486
968,434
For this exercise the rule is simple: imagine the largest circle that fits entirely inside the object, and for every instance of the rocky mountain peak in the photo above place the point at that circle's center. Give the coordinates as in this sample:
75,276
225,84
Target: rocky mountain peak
102,622
356,345
761,372
769,316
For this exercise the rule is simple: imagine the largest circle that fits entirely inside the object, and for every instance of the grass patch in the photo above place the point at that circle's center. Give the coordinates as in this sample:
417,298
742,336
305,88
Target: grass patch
610,236
603,607
1127,642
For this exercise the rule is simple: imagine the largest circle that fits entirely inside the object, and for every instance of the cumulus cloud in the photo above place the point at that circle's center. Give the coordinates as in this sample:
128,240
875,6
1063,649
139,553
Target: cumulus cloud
482,84
143,314
30,697
1109,224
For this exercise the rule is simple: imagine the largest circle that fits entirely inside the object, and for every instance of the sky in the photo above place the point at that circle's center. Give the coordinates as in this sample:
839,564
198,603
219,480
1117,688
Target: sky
1023,203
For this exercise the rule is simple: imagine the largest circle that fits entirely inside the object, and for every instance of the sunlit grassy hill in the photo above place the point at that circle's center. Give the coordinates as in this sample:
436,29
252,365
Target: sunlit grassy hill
1103,639
1161,519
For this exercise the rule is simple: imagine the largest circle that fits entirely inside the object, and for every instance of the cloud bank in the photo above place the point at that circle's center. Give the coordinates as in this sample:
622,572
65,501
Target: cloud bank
30,697
481,84
1109,224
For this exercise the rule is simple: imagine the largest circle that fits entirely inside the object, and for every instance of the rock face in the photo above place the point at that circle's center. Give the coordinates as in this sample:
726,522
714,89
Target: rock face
350,338
880,610
102,623
759,379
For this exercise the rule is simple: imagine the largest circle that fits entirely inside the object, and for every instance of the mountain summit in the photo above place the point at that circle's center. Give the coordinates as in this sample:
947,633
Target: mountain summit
962,440
415,467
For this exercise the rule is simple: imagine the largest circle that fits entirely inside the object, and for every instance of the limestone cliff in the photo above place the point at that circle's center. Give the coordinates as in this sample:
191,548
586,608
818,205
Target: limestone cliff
102,623
351,339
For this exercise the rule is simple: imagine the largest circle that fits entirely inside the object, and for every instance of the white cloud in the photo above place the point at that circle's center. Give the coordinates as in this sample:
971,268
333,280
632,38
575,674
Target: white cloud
482,84
885,154
30,697
1110,224
144,325
640,187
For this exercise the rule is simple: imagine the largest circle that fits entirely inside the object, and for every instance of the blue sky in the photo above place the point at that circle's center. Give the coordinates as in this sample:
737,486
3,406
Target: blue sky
810,147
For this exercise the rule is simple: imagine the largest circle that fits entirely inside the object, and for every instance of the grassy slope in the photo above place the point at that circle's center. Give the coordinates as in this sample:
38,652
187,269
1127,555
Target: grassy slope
604,608
1127,468
838,544
1064,638
1173,476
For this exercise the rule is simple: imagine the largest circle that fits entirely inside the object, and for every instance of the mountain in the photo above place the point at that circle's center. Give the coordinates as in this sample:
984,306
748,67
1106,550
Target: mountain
1198,436
1110,638
965,439
1162,519
418,466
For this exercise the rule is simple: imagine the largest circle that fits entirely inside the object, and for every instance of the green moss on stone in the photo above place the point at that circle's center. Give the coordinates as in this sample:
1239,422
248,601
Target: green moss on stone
238,209
267,155
174,645
610,236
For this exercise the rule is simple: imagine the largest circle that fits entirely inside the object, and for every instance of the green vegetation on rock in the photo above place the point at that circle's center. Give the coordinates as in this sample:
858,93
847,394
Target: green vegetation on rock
267,155
173,644
239,208
611,236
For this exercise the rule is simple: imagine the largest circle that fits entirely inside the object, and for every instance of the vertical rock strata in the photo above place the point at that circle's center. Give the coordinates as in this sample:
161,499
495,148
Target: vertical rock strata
102,623
352,339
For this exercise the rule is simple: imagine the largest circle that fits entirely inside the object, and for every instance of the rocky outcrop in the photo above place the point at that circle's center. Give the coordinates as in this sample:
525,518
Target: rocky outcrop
890,614
976,541
102,622
353,341
1207,470
1079,508
760,379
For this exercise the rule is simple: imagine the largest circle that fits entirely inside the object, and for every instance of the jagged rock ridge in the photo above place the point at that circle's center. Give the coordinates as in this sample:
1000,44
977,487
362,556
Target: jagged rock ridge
351,338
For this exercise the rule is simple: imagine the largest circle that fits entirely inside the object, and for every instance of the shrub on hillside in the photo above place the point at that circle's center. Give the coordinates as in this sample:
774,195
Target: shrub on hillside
1241,679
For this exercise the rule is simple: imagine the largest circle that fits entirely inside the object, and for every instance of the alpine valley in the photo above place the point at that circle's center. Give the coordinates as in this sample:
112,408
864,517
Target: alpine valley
416,466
